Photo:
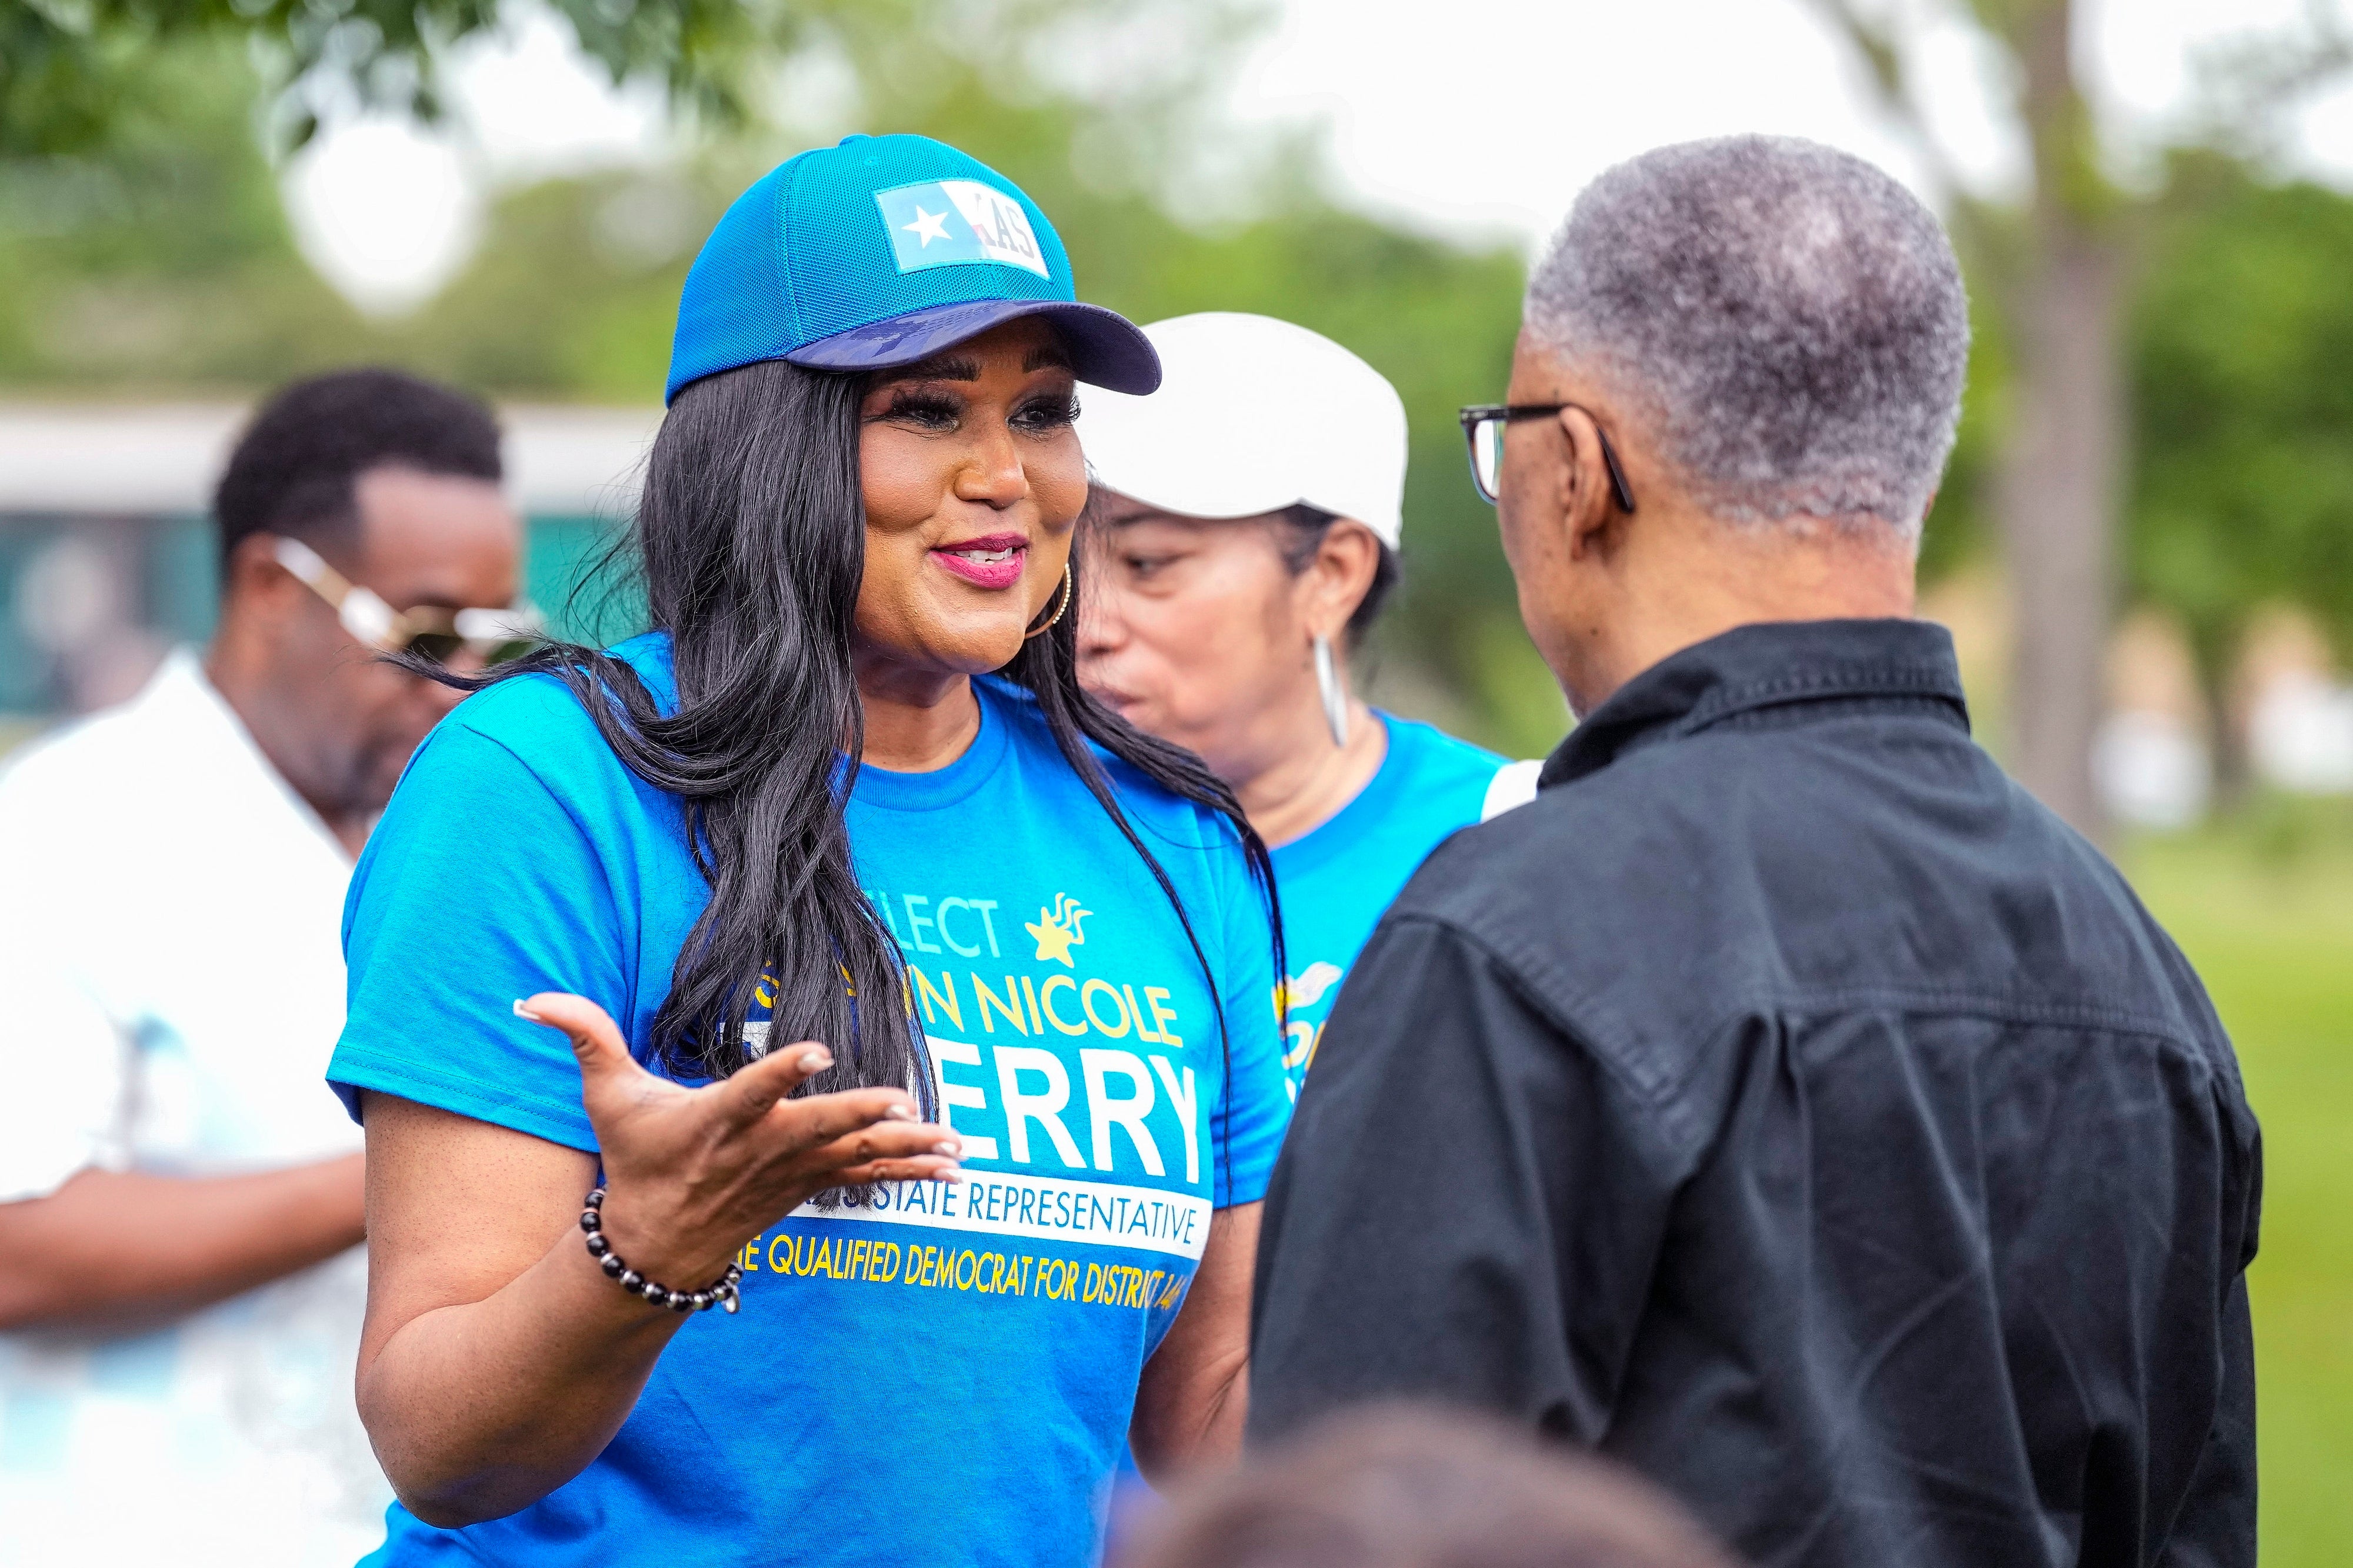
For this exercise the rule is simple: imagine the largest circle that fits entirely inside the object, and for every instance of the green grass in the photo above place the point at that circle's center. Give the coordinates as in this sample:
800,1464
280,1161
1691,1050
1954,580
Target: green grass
2265,909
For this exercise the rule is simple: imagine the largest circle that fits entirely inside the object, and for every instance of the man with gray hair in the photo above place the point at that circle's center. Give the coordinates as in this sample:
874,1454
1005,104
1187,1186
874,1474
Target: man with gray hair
1784,1103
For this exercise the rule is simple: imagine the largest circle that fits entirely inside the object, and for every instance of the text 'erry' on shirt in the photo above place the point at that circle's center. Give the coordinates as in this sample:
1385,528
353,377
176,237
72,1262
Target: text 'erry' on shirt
946,1375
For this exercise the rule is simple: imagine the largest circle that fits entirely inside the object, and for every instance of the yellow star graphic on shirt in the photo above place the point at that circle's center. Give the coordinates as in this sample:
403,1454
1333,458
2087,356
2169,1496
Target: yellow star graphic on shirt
1057,931
927,227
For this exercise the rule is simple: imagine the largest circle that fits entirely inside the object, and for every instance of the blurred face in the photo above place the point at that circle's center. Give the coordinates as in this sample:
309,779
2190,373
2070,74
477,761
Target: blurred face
335,721
424,540
973,485
1196,631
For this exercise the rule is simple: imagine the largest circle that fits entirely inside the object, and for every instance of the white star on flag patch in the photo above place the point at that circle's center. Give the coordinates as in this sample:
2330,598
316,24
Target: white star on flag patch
940,223
927,227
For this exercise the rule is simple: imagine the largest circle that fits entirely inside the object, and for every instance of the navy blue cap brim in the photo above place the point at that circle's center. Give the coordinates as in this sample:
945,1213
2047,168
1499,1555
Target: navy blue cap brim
1107,350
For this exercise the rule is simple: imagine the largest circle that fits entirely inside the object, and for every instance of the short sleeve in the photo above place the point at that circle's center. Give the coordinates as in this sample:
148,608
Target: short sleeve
68,1068
478,888
1256,1107
66,1061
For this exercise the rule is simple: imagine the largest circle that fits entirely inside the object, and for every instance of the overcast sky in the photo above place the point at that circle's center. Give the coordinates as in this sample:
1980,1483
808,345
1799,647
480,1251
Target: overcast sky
1482,116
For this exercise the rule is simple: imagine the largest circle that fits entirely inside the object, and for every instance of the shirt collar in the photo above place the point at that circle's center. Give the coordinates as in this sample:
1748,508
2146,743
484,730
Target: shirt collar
211,734
1771,664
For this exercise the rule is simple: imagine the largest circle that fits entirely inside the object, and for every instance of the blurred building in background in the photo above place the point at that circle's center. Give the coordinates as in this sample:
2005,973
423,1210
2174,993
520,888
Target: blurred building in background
107,558
2286,705
107,562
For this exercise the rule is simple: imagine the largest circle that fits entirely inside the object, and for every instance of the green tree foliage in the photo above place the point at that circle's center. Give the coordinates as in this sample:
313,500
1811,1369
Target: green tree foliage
571,293
69,69
2243,486
159,255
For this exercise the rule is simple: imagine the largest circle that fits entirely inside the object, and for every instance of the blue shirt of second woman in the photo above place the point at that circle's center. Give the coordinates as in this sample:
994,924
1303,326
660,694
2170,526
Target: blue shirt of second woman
1337,880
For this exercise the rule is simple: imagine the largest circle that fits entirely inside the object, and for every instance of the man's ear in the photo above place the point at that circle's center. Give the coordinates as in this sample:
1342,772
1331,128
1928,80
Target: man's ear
1587,508
254,583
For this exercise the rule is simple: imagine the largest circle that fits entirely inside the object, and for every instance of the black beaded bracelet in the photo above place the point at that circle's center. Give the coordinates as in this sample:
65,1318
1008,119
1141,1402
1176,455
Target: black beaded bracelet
721,1293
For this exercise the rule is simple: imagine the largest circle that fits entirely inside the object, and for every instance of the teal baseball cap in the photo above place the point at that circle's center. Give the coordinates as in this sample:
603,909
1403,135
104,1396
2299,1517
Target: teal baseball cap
880,252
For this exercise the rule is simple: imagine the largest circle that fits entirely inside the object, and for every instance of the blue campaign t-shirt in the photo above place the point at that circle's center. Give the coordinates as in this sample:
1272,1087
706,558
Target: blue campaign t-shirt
1337,881
944,1377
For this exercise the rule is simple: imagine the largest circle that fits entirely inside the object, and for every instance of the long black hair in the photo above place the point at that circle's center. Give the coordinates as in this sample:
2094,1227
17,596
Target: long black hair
751,543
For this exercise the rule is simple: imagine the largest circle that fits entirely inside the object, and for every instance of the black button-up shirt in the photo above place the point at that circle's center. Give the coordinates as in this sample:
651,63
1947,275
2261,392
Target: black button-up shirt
1788,1104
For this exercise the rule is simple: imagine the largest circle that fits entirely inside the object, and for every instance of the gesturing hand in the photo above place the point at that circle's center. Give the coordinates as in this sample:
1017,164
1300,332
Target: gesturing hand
692,1174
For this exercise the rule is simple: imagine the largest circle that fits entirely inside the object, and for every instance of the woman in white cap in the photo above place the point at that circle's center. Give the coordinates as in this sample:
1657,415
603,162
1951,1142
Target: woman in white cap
1247,520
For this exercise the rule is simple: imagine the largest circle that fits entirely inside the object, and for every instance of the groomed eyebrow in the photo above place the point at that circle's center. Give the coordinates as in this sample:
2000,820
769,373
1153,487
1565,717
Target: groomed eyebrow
939,367
964,367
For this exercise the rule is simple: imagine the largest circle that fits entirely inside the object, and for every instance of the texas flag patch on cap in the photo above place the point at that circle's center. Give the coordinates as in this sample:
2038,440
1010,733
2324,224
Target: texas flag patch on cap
940,223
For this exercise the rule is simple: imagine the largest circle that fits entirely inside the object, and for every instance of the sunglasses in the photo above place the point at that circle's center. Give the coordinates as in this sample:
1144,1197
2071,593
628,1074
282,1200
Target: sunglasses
431,631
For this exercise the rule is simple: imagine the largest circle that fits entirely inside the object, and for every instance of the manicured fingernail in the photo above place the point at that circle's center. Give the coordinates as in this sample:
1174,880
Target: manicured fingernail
816,1061
522,1012
948,1173
900,1113
947,1146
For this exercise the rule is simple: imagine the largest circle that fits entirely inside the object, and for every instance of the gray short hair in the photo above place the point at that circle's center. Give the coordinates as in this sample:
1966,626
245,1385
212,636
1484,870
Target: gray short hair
1791,319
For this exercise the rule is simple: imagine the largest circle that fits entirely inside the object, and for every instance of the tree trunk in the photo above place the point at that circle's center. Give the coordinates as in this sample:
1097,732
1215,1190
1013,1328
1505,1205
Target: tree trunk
2215,653
2057,500
2058,489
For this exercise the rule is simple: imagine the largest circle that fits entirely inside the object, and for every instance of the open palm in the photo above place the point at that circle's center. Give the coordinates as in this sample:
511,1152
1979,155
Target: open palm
694,1174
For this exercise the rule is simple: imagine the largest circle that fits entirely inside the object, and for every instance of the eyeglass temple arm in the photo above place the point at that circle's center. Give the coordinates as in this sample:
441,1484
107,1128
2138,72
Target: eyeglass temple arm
1620,489
1479,413
309,565
363,613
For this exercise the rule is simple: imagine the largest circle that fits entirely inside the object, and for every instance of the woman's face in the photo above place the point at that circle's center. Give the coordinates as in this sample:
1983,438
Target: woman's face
1197,632
973,482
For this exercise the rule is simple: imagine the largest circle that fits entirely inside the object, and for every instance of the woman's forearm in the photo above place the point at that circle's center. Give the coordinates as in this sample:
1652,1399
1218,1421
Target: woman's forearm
124,1250
1195,1393
482,1408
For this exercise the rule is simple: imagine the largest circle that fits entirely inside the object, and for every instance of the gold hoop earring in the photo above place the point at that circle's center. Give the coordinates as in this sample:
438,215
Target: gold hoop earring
1061,607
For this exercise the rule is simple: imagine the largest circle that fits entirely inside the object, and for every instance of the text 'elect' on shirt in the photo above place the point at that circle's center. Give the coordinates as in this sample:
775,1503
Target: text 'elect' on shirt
944,1376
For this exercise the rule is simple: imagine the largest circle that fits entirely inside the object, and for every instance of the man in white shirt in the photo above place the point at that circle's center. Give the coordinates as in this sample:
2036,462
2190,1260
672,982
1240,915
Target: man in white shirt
181,1286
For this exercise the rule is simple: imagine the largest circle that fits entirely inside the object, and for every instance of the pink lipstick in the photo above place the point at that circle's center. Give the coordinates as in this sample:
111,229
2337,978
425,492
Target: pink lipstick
992,561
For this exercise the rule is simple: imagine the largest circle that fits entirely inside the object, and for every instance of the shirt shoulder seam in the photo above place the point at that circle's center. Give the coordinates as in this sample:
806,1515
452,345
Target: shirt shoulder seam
1663,1095
1959,1001
1666,1095
547,788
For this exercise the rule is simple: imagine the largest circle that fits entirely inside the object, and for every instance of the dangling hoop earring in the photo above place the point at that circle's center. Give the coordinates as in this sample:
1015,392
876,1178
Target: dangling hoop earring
1335,699
1062,606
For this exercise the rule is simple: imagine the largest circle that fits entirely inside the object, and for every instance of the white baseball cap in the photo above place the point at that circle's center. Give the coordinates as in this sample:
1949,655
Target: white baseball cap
1253,415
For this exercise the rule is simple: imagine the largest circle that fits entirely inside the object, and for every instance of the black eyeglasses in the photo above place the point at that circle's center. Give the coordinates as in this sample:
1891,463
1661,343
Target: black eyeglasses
1483,426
